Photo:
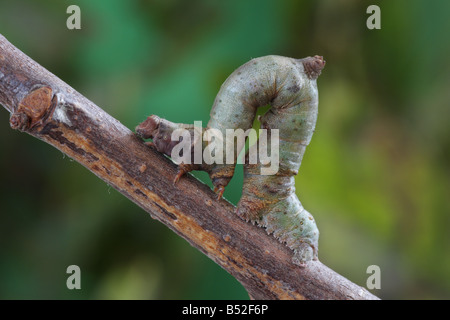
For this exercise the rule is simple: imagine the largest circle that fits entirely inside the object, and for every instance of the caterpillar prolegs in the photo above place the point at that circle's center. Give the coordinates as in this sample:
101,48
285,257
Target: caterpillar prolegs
289,86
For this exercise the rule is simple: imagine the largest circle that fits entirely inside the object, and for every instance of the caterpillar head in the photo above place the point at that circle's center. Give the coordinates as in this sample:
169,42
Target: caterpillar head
149,128
160,131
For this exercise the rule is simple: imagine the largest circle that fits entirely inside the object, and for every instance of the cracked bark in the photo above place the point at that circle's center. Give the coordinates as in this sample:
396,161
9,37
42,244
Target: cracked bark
47,108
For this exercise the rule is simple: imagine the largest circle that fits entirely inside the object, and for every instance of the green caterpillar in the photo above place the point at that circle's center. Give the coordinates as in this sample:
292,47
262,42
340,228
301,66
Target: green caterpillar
289,86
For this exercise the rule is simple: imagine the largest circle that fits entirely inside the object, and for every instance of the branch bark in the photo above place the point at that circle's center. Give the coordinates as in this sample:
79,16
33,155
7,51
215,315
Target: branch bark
47,108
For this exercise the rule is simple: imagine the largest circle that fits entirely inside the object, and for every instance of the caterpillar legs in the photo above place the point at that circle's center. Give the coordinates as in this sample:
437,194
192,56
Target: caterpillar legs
271,202
220,178
291,224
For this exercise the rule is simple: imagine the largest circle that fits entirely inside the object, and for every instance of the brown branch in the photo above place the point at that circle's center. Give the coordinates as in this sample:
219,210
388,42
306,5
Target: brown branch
47,108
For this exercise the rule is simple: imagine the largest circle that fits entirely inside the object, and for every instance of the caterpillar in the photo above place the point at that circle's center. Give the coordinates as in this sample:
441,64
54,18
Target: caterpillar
289,86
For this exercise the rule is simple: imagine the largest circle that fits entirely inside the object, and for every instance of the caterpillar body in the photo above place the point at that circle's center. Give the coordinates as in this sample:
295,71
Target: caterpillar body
289,86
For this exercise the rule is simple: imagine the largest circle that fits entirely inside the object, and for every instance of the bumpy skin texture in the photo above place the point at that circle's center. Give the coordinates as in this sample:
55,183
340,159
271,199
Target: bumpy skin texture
289,86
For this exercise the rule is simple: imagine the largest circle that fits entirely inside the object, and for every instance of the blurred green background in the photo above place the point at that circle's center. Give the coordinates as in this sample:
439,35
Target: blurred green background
375,176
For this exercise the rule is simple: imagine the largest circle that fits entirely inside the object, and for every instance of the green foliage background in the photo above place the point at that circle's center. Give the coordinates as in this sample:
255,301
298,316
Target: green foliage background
376,175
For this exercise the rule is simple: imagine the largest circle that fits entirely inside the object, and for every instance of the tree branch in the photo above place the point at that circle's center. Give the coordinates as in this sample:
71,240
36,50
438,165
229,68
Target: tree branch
47,108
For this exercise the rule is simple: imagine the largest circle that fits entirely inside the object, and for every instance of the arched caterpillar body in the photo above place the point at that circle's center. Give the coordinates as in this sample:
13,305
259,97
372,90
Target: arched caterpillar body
289,86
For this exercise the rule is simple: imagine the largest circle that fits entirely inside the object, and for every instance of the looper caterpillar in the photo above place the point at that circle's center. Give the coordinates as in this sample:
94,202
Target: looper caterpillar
289,86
